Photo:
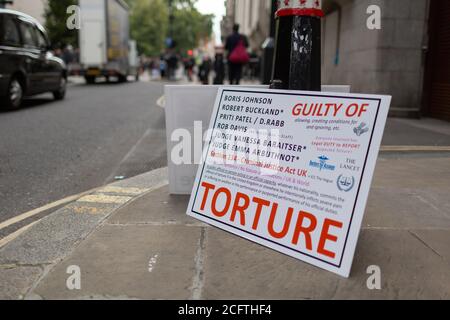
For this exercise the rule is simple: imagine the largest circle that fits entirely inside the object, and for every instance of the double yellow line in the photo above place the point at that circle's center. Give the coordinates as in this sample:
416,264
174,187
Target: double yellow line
32,213
100,195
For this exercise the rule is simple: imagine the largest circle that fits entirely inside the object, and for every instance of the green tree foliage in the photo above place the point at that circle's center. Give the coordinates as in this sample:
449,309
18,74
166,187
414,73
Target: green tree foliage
150,25
190,26
149,22
56,17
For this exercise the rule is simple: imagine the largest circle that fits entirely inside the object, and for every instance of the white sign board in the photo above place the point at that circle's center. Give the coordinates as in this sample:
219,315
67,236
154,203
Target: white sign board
186,105
291,170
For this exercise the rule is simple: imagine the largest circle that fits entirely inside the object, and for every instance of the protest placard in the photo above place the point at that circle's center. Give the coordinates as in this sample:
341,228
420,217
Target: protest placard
291,170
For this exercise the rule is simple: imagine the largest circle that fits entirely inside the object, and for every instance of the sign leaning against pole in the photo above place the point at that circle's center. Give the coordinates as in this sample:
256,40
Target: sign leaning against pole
291,170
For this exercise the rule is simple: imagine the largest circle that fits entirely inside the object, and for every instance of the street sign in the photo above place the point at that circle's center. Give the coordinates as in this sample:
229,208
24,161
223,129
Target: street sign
291,170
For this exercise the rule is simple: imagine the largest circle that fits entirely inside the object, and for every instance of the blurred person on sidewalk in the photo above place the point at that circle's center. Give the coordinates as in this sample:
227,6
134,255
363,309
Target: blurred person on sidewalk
162,67
189,64
219,69
219,66
204,69
236,45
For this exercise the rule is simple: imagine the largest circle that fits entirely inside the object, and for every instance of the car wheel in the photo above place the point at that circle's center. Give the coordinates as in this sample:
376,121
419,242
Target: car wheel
14,97
61,92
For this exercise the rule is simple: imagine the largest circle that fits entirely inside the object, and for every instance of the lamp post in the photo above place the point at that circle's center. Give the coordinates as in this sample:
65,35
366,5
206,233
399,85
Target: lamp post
297,63
171,20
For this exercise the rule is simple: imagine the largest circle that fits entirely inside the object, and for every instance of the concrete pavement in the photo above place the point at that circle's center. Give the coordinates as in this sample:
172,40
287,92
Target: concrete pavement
139,244
414,132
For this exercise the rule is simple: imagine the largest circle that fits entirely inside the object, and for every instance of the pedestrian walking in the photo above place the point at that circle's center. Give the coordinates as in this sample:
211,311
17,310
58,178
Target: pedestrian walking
219,68
162,67
189,64
172,65
236,45
204,70
68,54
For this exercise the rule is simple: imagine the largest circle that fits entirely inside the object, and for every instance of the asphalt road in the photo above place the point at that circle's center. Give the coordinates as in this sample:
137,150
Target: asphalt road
50,150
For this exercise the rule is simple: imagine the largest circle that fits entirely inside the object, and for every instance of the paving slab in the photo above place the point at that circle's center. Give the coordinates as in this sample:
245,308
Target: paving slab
425,132
238,269
150,179
409,269
156,207
51,239
422,173
436,199
16,281
436,240
402,208
145,262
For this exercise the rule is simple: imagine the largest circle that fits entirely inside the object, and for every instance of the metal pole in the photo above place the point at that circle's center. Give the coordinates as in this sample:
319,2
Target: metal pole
297,62
171,19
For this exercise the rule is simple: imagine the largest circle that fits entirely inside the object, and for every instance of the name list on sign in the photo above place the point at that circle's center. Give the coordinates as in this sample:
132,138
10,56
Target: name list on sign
285,170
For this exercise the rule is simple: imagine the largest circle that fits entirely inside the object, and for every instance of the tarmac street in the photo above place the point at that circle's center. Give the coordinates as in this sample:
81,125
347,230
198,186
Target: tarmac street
53,149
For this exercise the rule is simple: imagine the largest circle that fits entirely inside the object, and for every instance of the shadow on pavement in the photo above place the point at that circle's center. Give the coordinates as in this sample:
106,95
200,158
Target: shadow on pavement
32,103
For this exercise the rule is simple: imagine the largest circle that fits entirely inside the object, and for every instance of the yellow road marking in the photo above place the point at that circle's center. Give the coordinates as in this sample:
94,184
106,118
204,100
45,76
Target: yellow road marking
86,209
15,234
49,206
103,198
83,196
120,190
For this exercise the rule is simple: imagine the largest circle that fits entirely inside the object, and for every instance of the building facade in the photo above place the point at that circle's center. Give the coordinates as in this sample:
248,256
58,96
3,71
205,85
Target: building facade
253,17
408,58
228,20
390,60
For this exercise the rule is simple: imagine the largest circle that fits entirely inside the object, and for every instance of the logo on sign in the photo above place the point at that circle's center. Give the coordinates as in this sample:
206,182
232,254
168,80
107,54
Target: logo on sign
322,164
361,129
350,165
345,183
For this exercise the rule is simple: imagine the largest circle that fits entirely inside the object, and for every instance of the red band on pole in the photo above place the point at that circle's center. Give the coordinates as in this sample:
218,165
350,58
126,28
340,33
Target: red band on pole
310,12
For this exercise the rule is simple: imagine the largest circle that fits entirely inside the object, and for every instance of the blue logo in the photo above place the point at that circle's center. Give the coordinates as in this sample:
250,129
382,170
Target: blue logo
361,129
345,183
322,164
